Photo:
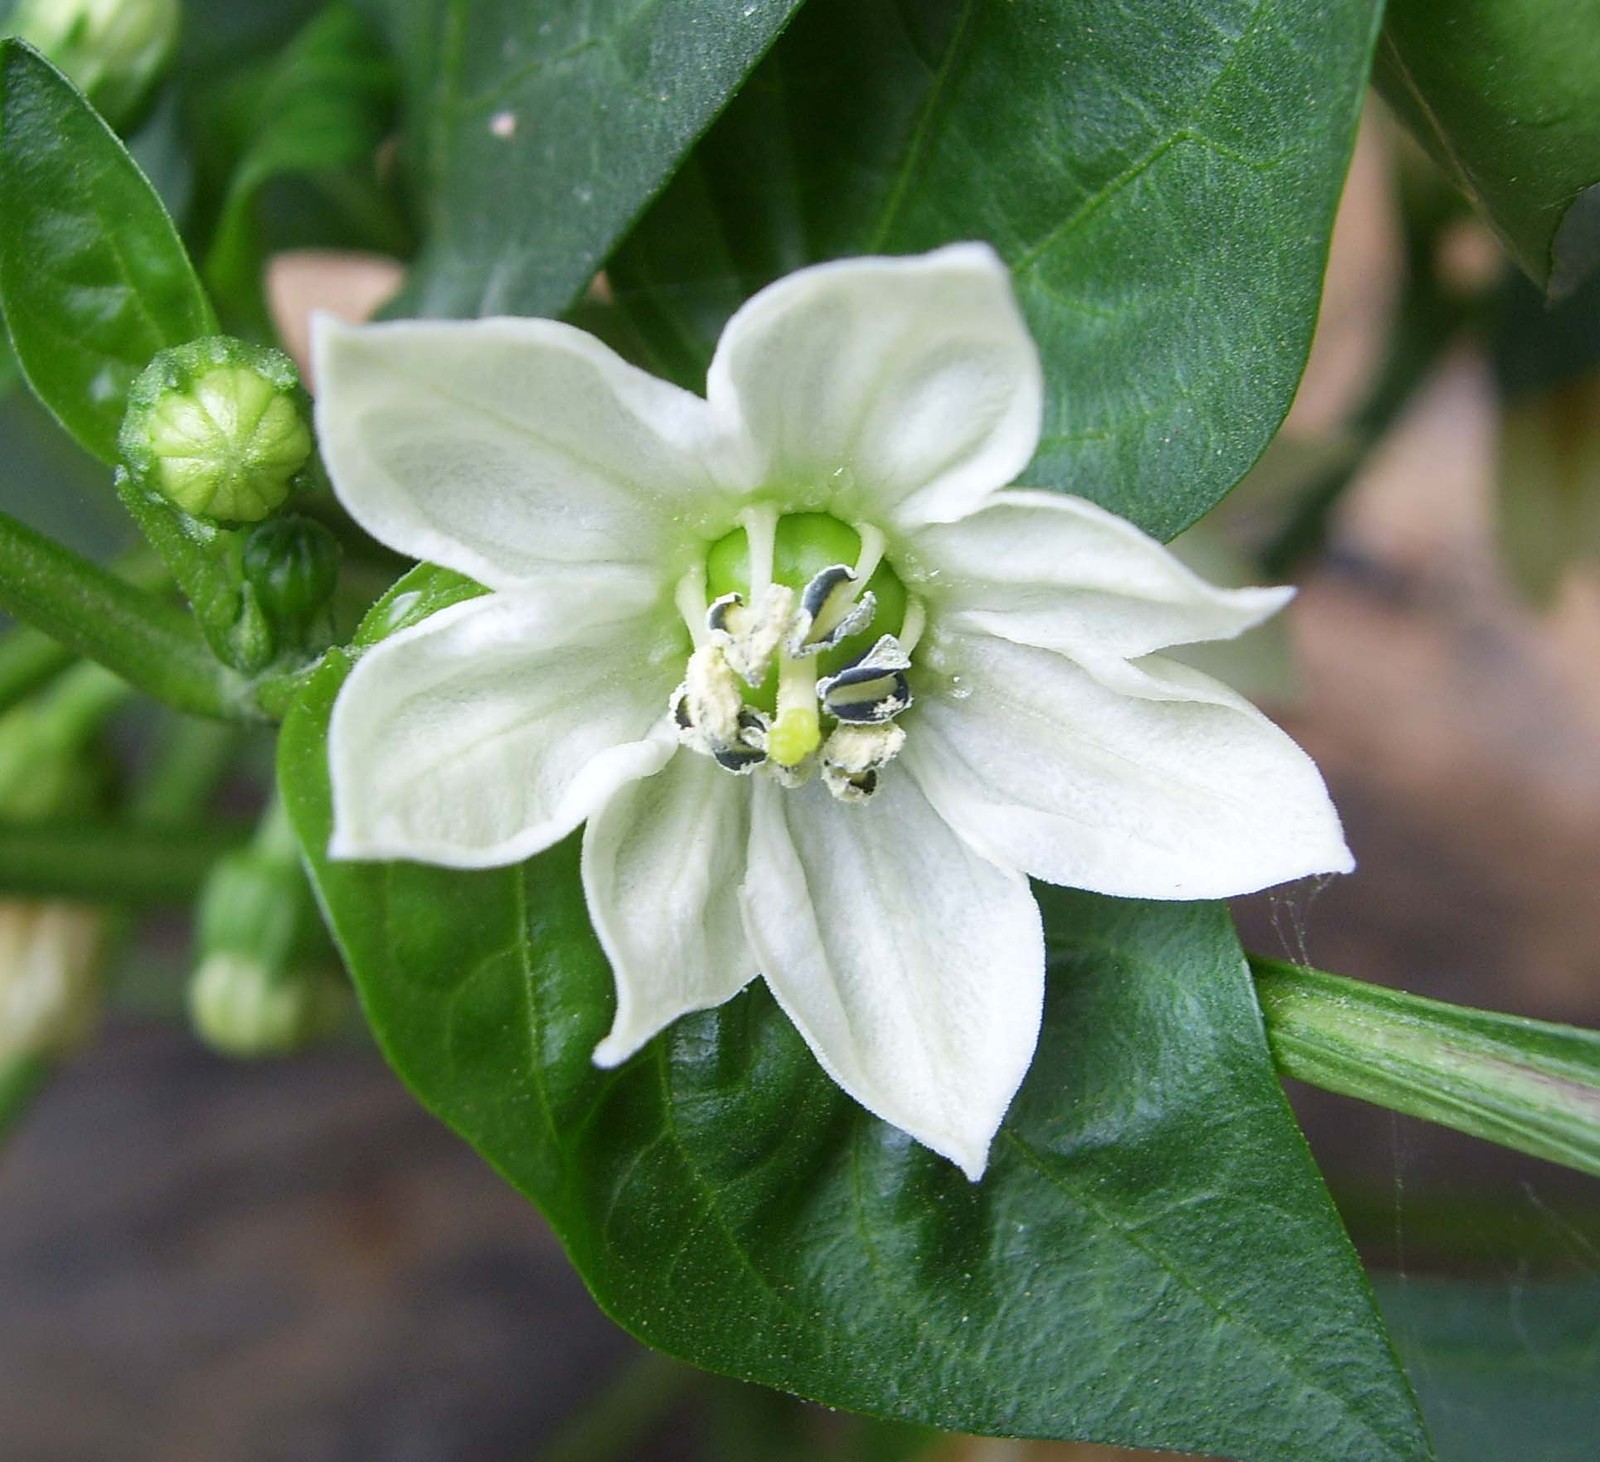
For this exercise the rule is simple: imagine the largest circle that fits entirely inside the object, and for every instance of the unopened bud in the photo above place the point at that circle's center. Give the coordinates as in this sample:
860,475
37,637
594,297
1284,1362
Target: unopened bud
292,564
266,983
114,51
218,428
50,958
241,1006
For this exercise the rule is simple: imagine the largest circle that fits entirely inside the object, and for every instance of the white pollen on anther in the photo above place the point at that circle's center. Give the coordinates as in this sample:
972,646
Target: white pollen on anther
503,124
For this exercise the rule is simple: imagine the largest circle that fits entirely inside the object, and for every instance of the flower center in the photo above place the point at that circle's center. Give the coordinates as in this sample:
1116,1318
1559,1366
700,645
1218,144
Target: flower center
803,636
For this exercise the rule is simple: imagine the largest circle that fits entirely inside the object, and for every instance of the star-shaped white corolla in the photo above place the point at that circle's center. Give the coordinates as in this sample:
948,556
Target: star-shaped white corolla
825,691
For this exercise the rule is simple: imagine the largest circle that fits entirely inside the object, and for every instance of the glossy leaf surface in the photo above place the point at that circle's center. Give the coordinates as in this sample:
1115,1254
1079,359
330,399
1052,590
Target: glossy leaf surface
1161,177
93,277
1506,95
1151,1258
537,132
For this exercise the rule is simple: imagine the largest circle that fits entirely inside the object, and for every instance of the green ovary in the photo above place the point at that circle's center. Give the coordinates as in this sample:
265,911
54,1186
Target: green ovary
803,545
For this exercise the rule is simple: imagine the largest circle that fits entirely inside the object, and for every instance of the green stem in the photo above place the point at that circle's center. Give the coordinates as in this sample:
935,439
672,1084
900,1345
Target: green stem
178,784
110,861
1526,1084
30,660
151,645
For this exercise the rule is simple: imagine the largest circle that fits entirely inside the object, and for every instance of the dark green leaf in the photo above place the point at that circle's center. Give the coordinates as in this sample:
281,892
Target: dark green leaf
1151,1258
1506,95
322,106
1161,178
8,366
537,132
1502,1370
93,277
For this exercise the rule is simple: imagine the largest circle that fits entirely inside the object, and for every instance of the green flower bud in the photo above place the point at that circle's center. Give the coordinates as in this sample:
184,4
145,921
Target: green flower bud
266,983
218,428
292,564
113,50
243,1007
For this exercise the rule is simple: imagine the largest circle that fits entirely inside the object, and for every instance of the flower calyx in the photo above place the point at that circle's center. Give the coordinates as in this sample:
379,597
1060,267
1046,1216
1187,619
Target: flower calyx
786,676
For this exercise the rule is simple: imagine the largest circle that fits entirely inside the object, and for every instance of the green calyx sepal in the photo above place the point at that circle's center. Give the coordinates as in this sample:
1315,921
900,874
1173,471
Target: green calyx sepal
218,428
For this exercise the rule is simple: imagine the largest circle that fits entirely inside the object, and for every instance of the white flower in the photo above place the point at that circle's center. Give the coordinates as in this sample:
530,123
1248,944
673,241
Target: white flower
855,821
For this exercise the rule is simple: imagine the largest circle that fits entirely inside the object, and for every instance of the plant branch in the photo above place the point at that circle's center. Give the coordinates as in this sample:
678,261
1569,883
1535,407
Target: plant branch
110,861
137,636
1526,1084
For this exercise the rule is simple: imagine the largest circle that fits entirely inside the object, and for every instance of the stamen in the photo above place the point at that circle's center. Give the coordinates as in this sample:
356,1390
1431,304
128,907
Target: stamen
874,689
751,636
690,597
916,620
707,706
853,755
871,553
829,611
760,523
796,732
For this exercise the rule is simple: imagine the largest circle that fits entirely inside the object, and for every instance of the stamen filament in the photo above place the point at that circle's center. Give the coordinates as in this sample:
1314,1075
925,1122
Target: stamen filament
796,731
916,621
871,554
690,597
760,524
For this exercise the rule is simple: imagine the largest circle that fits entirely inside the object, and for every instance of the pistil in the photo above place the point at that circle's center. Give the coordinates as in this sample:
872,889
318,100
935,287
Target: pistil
796,731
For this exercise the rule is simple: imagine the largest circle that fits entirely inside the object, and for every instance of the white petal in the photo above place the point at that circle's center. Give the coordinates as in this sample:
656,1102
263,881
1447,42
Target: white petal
1044,569
913,967
896,390
490,731
501,448
662,865
1148,780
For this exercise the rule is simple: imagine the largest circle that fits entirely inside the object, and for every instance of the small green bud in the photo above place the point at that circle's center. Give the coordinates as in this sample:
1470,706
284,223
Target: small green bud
266,983
243,1007
292,564
114,51
218,428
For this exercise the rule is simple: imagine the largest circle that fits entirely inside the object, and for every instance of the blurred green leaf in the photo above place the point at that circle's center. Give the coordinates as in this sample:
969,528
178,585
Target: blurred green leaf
1502,1370
323,105
1151,1258
1506,96
20,1080
1162,179
93,277
228,33
1547,366
537,132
